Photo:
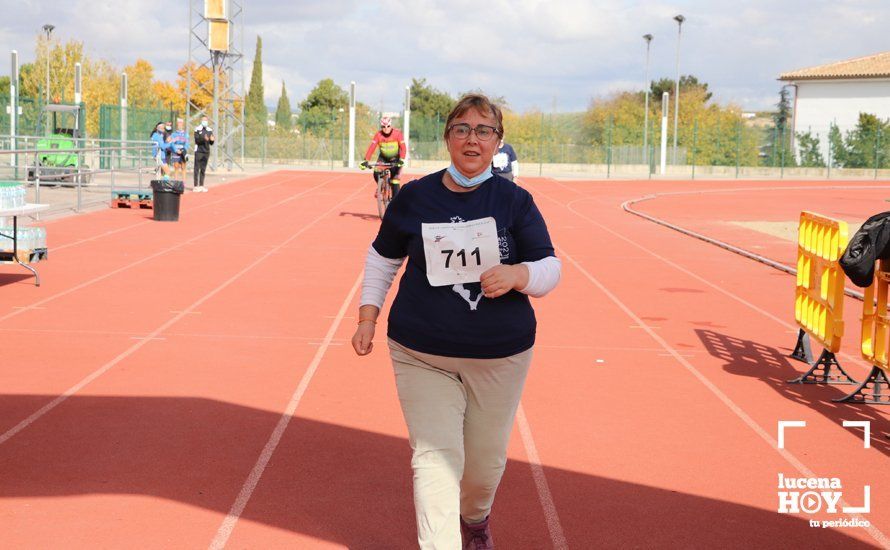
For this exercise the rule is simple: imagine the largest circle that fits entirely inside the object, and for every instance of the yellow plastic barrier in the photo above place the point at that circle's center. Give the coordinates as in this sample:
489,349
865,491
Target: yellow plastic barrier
819,300
875,324
875,389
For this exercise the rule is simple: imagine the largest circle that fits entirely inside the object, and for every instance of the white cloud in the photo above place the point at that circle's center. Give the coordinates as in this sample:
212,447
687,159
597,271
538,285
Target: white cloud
527,50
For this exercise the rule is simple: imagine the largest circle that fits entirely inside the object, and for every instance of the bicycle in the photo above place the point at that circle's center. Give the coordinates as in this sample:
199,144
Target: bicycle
384,185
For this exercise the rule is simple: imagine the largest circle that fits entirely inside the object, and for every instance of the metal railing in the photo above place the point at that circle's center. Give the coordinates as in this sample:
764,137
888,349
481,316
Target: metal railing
74,178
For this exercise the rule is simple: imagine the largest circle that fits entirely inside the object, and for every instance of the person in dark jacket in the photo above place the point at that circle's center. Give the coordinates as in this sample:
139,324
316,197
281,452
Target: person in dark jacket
204,138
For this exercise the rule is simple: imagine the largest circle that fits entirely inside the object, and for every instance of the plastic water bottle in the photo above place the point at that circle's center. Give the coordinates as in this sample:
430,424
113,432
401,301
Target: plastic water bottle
12,196
41,237
5,242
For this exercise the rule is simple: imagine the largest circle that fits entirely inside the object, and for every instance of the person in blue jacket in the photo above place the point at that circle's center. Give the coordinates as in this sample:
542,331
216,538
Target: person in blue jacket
179,143
160,146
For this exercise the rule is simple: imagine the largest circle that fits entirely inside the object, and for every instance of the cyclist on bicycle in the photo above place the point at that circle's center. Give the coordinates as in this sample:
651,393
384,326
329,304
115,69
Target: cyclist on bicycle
392,150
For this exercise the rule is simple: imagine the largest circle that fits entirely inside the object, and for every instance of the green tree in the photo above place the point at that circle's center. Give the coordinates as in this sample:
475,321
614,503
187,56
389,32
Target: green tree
4,85
428,101
837,149
809,150
864,144
318,110
283,112
778,138
255,106
688,83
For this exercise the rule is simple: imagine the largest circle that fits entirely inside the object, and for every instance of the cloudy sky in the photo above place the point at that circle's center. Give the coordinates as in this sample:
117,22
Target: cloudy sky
535,53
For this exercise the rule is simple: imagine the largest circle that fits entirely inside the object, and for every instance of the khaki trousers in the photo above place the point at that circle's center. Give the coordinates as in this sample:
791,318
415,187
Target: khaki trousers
459,414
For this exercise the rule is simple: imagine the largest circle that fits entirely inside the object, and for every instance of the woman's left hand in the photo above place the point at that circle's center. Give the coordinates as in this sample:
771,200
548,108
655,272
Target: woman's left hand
501,279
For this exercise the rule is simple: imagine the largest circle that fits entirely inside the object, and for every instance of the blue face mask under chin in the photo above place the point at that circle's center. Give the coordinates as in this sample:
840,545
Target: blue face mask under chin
464,181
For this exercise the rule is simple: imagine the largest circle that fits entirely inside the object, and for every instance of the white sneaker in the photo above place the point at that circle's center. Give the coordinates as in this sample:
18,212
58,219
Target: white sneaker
204,188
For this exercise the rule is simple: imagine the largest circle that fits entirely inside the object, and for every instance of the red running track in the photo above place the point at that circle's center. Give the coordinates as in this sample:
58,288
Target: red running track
192,384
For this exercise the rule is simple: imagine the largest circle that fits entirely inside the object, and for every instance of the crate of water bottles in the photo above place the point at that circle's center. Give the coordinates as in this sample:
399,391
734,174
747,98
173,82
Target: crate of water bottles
29,238
31,241
12,195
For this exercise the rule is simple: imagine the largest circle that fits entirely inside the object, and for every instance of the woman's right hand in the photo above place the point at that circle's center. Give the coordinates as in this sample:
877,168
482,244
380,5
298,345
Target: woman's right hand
362,340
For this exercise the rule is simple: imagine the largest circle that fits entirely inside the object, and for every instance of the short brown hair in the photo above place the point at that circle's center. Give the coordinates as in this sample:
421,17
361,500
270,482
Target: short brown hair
483,106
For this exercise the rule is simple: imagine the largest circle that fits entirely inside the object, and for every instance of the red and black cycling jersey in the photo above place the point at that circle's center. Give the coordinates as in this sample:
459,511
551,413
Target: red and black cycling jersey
392,147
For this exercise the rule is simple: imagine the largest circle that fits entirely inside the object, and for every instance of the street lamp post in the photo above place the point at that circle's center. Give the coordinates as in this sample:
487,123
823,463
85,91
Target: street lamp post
679,19
648,39
48,29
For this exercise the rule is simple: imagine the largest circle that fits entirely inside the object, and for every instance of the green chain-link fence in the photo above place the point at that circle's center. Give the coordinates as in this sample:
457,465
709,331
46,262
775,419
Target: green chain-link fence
727,145
28,123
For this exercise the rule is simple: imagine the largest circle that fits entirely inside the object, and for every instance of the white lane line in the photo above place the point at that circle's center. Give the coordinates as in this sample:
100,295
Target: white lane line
554,526
143,222
228,524
792,328
750,422
162,252
155,333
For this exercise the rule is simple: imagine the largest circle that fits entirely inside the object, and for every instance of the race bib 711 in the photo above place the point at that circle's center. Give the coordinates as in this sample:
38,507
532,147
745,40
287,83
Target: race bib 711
458,253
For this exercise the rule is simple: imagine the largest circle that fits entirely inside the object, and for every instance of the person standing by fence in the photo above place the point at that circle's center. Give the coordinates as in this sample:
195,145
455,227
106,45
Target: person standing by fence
204,138
160,146
180,142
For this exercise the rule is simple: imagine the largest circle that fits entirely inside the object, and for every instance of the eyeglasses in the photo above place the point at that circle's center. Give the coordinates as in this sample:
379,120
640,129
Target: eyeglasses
462,131
385,126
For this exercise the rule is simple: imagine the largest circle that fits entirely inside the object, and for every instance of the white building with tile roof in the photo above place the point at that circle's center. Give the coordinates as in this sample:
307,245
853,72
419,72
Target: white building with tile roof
837,92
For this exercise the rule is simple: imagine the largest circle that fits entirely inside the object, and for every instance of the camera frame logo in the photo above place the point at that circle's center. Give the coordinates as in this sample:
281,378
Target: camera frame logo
812,495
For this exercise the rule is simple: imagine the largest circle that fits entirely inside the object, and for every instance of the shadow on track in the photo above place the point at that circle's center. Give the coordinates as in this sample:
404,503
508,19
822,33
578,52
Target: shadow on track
747,358
347,486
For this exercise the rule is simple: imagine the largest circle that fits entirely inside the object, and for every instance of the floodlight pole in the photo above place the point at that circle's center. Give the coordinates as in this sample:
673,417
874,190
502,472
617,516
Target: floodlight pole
351,155
123,100
13,105
665,103
679,19
216,58
648,39
407,128
48,29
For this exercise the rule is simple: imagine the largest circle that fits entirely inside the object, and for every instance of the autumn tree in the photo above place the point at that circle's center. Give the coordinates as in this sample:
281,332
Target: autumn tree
140,85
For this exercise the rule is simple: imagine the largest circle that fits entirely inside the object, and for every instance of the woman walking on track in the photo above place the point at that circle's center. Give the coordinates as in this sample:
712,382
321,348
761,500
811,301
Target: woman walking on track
461,328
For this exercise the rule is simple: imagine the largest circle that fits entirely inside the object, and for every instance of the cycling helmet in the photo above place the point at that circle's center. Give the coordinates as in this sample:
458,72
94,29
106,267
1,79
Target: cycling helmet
385,121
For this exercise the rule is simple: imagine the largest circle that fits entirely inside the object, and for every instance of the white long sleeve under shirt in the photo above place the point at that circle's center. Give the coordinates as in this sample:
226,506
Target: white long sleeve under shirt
380,272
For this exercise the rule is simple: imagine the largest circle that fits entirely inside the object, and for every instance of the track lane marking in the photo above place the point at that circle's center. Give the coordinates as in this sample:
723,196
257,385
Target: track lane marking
873,531
158,331
228,525
162,252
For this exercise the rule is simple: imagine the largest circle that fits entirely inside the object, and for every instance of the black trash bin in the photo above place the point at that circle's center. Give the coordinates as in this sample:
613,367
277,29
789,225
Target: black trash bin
166,199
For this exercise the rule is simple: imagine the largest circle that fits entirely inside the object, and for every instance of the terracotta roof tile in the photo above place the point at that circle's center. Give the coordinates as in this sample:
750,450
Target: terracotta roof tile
872,66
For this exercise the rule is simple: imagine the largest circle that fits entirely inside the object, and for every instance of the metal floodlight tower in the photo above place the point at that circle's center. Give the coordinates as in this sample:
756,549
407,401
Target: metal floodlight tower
679,19
216,46
648,39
